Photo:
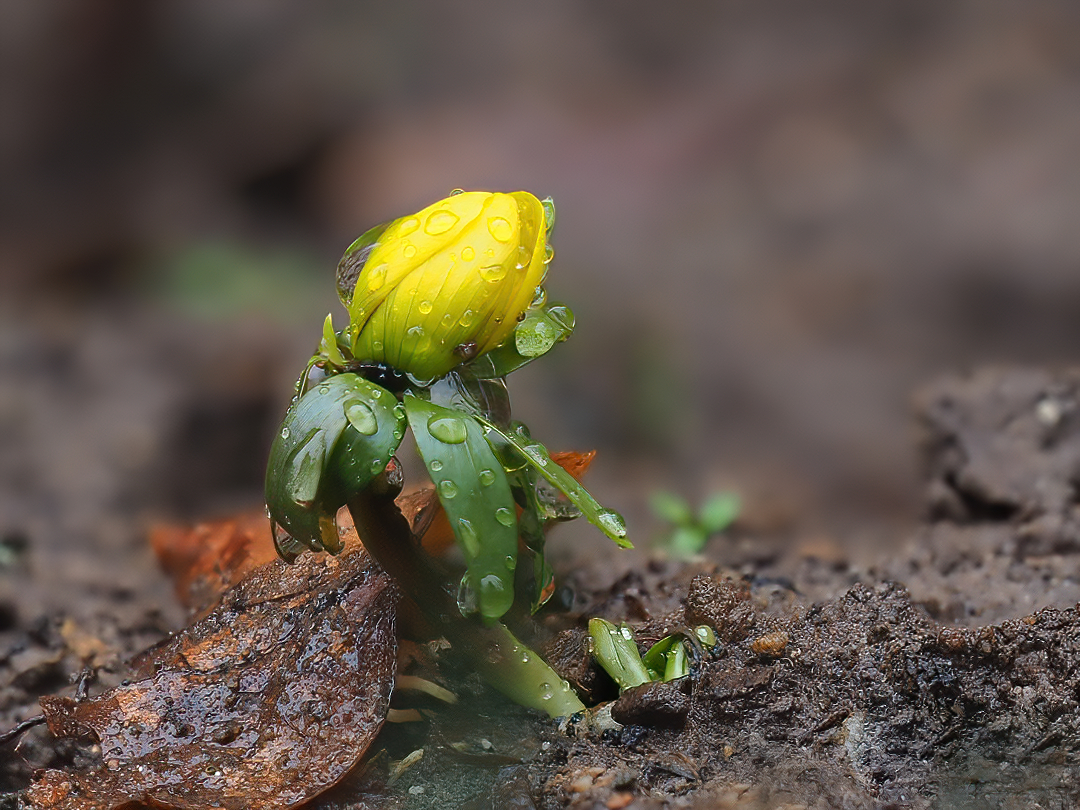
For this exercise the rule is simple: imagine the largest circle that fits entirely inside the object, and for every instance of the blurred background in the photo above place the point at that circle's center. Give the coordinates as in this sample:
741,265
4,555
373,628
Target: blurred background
775,221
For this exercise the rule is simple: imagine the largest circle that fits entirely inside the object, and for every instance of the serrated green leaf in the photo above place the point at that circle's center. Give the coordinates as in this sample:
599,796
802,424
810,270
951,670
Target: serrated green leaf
474,491
536,455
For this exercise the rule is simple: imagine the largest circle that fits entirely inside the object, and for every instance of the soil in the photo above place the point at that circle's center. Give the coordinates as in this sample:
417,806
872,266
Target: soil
940,671
780,225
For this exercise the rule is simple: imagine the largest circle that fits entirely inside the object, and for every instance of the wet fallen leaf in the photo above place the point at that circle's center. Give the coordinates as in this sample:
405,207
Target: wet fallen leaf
265,702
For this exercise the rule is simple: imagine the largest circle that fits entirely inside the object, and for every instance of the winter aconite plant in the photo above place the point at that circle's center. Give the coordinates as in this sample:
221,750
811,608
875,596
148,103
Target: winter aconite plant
442,306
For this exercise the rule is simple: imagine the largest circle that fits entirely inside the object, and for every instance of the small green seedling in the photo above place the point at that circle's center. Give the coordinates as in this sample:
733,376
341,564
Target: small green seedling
442,306
668,659
689,532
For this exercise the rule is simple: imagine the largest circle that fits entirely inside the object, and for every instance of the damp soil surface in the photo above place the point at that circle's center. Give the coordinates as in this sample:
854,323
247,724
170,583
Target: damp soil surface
940,668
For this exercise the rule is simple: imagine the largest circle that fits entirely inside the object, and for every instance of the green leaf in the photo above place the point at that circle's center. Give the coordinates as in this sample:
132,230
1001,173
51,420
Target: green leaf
474,491
617,652
542,329
687,540
526,451
671,507
329,345
333,441
719,511
666,659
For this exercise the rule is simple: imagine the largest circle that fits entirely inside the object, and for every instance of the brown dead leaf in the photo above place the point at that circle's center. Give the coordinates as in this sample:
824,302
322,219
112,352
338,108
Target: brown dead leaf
264,703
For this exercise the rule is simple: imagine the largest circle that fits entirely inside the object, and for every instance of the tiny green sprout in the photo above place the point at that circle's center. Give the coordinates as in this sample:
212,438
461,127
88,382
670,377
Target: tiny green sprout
667,660
689,532
442,306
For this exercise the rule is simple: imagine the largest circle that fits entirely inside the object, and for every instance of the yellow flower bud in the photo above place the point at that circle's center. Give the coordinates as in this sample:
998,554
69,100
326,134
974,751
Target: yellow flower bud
447,283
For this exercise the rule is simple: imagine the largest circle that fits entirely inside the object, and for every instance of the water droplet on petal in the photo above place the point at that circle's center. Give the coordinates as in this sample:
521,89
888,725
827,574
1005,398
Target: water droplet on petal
361,417
468,537
467,254
487,477
457,191
612,522
549,254
539,297
376,277
447,489
447,429
408,226
505,516
408,251
439,222
424,307
493,272
466,319
500,229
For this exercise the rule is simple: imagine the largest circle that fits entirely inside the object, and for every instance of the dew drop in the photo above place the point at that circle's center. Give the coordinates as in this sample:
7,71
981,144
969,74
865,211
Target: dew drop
511,562
408,251
377,466
415,331
447,429
361,417
500,229
466,319
324,389
612,522
468,537
539,297
447,489
377,345
285,433
408,226
549,254
376,278
424,307
493,272
505,516
546,691
467,254
435,465
467,603
439,222
537,453
457,191
487,477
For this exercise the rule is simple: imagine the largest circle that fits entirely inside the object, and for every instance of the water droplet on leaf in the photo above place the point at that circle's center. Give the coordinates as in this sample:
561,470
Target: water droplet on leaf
448,489
612,522
487,477
361,417
505,516
435,465
468,537
448,429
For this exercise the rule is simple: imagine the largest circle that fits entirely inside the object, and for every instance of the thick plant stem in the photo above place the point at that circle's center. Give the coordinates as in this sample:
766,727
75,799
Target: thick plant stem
502,660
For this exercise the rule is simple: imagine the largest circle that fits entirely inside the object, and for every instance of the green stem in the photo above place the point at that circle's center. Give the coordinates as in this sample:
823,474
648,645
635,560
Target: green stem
503,661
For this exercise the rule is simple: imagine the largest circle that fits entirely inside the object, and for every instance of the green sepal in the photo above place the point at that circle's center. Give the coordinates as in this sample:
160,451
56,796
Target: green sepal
542,328
525,451
333,441
328,347
475,493
353,261
617,652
